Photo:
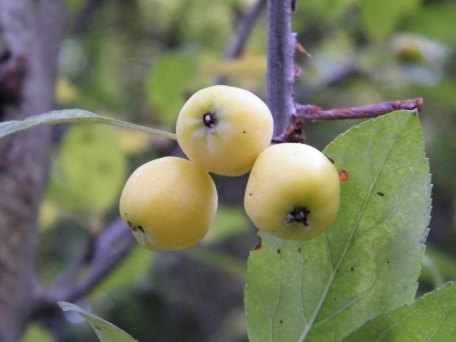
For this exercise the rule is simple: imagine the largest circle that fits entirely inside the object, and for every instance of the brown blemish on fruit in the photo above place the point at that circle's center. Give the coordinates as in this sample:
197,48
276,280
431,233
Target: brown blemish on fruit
344,176
258,244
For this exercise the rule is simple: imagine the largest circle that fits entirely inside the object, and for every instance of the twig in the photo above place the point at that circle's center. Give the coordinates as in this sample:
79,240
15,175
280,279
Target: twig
111,248
310,112
294,131
239,41
281,70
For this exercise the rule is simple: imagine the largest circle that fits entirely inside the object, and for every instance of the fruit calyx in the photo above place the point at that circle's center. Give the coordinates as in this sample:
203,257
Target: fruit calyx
298,214
209,119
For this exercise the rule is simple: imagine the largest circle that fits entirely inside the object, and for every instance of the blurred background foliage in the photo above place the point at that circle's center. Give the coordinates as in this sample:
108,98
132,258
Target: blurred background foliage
140,59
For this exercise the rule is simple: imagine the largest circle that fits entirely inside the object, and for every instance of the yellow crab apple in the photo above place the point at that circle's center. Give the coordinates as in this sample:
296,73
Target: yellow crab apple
292,192
224,129
169,203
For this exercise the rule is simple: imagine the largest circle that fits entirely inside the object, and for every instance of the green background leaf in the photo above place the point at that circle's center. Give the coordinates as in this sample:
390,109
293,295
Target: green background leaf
168,84
430,318
380,18
370,259
89,171
106,331
435,21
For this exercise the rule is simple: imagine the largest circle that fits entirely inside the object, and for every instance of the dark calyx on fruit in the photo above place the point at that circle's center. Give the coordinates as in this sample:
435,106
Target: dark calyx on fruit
209,119
298,214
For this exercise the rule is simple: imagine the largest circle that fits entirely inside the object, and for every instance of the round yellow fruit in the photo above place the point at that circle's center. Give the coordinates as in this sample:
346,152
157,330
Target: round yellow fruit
224,129
169,203
293,192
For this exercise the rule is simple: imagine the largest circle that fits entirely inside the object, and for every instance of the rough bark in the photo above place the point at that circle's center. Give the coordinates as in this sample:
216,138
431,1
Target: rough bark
30,32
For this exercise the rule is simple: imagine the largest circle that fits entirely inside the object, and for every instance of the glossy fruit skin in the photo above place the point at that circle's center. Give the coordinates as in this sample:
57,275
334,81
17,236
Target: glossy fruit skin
169,203
228,141
289,178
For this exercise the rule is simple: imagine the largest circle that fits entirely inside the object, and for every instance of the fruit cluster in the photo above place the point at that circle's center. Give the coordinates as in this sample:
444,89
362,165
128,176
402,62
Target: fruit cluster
292,191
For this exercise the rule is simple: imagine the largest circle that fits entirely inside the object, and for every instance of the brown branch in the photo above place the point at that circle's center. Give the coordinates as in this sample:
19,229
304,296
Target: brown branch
311,112
294,131
110,249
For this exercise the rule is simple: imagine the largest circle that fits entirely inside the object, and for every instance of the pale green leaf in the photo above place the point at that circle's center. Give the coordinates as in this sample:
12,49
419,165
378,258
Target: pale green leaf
67,116
89,171
168,84
106,331
380,18
431,318
370,259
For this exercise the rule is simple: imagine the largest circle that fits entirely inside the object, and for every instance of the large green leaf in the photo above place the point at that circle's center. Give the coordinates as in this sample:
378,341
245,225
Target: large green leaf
73,116
106,331
369,261
380,18
431,318
89,171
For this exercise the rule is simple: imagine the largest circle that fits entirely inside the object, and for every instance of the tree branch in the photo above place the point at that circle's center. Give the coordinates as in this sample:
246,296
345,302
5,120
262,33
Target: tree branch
110,249
245,27
281,70
294,131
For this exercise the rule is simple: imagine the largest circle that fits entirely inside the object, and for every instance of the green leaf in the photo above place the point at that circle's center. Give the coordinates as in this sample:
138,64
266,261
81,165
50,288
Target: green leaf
66,116
168,83
434,21
430,318
35,333
230,265
380,18
89,171
369,260
438,267
106,331
229,222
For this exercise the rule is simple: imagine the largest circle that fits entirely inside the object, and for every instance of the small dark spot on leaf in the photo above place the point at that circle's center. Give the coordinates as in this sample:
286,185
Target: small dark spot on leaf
281,321
141,229
244,132
380,194
299,250
250,194
352,268
387,261
279,251
344,176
